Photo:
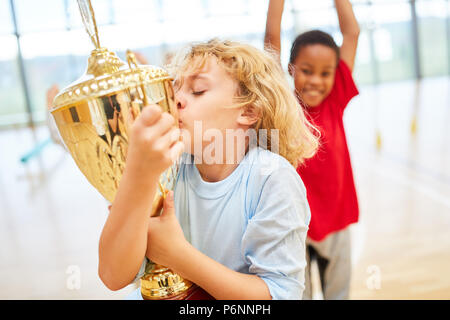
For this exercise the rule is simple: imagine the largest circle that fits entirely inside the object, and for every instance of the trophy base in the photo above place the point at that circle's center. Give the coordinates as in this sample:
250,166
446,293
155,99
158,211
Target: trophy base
193,293
161,283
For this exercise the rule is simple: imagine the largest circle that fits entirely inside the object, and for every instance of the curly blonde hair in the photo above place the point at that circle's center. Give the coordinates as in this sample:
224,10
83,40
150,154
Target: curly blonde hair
263,90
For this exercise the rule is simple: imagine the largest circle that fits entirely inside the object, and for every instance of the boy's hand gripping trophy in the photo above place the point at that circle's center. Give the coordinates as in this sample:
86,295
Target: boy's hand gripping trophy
93,116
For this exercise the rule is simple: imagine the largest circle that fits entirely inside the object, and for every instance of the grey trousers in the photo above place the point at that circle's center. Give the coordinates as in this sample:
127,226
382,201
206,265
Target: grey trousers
334,263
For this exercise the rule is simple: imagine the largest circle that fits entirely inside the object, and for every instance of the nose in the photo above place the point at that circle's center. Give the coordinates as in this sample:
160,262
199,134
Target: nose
314,80
180,100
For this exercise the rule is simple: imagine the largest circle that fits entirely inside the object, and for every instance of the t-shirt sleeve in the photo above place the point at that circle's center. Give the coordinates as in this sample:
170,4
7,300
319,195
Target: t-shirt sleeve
344,88
274,241
141,271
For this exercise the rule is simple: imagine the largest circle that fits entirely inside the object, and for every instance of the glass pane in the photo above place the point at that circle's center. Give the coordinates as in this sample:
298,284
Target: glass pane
432,20
9,47
184,11
231,7
131,36
312,5
359,1
376,2
103,9
155,55
393,40
324,19
363,71
6,25
55,43
42,15
135,11
73,14
53,57
12,101
259,7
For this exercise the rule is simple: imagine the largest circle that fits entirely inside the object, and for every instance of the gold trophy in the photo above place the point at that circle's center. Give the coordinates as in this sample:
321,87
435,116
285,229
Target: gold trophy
93,116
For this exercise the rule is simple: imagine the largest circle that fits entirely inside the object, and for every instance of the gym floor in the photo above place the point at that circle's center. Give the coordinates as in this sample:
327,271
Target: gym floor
399,139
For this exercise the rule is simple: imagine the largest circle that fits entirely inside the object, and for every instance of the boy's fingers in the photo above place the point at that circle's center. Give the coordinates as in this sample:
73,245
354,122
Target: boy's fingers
166,123
169,207
163,125
160,121
150,114
172,136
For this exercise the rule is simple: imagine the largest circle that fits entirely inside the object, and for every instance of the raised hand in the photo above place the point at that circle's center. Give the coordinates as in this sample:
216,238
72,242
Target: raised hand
154,142
165,239
273,26
349,29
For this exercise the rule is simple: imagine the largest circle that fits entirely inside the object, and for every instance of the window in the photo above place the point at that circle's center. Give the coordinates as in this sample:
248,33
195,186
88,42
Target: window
433,19
393,40
6,26
42,15
49,58
55,47
12,100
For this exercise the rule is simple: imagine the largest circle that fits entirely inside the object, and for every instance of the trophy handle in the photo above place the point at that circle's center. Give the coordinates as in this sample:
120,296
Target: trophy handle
131,59
132,63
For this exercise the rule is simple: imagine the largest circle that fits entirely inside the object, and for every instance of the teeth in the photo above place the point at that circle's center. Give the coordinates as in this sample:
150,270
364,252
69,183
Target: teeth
313,93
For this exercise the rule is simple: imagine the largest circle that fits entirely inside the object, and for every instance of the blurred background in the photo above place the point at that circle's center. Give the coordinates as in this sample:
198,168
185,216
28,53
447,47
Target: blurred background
397,130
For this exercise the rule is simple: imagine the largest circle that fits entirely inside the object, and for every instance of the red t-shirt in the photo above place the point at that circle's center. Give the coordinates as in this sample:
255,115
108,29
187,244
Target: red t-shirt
328,175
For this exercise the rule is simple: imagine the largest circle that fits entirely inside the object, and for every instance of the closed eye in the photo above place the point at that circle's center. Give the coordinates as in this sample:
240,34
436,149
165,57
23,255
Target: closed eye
198,93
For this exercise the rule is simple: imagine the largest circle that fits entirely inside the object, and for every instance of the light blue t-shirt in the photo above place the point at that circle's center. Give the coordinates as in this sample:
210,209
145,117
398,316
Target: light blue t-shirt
254,221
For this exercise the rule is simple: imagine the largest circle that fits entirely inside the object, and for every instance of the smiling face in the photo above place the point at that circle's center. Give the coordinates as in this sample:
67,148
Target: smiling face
202,96
313,71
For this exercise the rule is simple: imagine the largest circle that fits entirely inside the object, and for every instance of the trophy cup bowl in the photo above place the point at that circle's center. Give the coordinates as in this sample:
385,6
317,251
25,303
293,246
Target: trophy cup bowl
94,115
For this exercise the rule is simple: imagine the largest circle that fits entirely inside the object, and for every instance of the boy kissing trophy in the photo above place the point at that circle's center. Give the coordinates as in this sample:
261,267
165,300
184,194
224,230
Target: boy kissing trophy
93,116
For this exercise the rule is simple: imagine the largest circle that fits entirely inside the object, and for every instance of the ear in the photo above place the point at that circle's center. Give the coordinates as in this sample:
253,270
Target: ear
248,116
291,69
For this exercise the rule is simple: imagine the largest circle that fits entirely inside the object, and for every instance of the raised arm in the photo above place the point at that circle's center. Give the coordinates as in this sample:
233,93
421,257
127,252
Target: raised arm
123,241
349,29
273,26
